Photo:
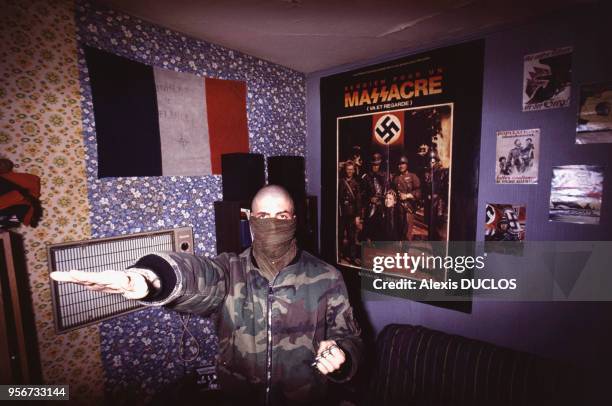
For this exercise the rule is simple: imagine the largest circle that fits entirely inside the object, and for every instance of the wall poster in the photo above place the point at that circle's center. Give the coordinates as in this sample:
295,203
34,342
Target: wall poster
595,114
505,222
517,156
400,148
575,195
547,79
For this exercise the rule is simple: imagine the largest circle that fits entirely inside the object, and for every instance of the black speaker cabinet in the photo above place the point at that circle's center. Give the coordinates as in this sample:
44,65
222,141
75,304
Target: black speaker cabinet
290,173
308,235
228,226
242,176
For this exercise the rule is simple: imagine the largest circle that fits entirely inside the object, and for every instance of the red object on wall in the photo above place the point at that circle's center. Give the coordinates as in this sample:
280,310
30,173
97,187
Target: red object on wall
29,182
227,122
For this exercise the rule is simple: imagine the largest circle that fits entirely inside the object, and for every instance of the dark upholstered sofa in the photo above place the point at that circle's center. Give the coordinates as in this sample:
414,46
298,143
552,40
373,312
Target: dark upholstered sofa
418,366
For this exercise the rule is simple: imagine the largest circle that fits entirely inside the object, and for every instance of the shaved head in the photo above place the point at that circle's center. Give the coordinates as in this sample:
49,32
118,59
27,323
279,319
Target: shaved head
272,201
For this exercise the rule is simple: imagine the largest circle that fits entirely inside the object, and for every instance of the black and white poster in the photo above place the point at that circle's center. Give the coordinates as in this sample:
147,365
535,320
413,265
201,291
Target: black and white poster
392,135
595,114
517,156
547,79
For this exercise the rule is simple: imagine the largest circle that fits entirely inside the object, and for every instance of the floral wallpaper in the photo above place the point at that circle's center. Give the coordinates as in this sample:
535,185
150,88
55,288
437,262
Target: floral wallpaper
41,132
275,112
47,128
140,363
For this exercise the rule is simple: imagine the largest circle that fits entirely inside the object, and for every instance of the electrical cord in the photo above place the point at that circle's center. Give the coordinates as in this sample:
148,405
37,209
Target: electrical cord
182,341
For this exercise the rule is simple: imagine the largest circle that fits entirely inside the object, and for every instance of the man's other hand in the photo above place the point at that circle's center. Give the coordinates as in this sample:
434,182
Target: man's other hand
130,283
329,357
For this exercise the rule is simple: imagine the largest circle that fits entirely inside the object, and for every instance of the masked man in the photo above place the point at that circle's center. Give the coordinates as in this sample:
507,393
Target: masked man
284,322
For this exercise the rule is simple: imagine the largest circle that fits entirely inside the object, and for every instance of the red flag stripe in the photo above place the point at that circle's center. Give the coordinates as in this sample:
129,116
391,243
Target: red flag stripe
227,119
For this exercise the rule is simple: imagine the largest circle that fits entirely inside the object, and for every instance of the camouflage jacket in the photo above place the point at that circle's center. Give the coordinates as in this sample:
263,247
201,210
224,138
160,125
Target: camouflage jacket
268,331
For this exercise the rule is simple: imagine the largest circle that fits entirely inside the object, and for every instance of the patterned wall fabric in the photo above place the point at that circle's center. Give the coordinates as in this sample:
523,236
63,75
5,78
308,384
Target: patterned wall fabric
47,128
275,109
41,132
140,363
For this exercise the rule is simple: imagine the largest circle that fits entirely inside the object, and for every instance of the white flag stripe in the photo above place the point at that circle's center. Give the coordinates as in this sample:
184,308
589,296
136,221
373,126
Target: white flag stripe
183,123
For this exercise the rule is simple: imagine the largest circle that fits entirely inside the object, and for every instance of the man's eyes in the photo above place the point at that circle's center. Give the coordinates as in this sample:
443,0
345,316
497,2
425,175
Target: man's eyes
283,216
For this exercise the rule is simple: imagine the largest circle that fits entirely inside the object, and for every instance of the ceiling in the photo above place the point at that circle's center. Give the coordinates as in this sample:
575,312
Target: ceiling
312,35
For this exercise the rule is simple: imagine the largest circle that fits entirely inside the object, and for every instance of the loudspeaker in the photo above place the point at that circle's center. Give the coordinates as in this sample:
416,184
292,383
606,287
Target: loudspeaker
290,173
227,226
242,176
309,236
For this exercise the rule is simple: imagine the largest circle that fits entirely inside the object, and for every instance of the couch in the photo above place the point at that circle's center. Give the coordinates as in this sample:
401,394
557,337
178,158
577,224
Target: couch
415,365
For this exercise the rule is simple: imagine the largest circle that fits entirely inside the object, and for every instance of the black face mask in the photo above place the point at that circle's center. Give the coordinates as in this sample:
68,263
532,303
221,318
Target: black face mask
274,245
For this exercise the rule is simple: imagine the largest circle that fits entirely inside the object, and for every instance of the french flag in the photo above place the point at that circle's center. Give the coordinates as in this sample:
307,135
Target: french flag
158,122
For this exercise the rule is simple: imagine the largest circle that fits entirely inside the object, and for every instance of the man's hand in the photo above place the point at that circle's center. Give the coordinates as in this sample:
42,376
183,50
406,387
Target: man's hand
130,283
329,357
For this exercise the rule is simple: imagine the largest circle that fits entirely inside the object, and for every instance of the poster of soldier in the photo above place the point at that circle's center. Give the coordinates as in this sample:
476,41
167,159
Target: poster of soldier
547,79
393,177
517,156
595,114
505,222
392,136
575,195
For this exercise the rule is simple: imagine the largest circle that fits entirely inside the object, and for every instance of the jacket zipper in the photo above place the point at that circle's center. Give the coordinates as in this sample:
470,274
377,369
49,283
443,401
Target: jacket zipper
269,342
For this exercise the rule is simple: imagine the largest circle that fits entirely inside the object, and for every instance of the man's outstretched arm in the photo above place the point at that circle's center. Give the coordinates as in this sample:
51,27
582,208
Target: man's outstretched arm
179,281
188,283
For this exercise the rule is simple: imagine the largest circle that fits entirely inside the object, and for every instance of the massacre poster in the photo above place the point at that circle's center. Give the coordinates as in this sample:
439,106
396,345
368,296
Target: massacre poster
400,145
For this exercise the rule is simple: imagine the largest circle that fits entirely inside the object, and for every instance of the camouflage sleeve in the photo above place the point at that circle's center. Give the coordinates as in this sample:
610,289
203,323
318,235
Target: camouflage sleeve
189,283
343,328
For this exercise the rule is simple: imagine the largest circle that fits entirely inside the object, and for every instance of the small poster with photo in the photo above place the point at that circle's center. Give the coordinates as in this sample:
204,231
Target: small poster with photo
594,124
547,78
575,195
517,156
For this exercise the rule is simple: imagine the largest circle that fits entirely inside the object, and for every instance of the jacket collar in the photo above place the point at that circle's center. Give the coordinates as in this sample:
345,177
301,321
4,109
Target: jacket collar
252,262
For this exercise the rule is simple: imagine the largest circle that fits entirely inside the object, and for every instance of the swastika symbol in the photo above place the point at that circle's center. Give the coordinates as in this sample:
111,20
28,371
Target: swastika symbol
513,219
388,129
